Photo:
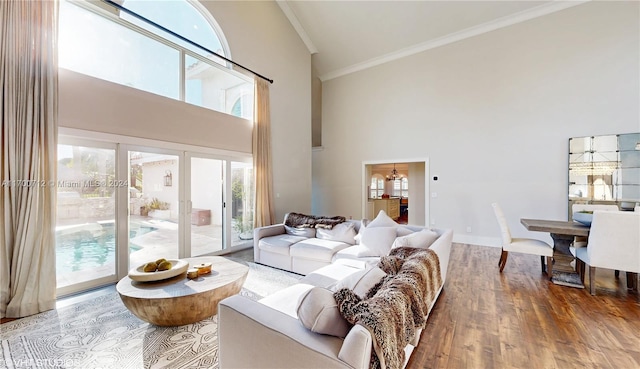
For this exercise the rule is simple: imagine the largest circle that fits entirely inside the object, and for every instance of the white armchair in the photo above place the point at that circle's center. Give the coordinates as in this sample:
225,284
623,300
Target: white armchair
614,243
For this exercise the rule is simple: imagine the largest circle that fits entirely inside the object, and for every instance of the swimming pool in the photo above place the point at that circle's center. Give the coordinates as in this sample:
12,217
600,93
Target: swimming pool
87,246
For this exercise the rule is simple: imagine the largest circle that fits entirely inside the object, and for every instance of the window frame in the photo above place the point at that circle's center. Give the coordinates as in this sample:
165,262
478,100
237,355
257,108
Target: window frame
108,13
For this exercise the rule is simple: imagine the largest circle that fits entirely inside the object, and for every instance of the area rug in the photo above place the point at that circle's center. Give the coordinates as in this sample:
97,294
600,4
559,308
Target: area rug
101,334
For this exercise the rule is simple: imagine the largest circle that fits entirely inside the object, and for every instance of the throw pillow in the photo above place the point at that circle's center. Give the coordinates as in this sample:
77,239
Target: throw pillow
422,239
382,220
362,281
343,232
302,232
403,231
363,225
378,239
318,312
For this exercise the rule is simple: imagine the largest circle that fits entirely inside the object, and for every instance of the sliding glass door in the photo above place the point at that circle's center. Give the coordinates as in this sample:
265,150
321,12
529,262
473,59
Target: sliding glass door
242,201
206,205
86,208
120,206
154,206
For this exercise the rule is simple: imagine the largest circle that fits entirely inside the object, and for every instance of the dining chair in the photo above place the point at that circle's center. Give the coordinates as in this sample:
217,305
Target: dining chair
522,245
614,243
581,241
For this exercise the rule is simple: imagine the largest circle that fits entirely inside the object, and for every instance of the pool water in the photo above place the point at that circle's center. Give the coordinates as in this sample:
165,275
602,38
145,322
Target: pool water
86,249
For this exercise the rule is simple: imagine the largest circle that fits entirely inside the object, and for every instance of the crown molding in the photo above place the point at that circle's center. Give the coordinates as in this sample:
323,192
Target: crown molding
502,22
290,14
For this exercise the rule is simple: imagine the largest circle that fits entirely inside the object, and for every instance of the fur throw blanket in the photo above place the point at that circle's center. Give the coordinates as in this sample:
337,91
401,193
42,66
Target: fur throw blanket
395,308
312,221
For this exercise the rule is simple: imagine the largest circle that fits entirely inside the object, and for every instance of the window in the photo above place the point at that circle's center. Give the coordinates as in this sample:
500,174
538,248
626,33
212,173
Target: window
125,57
405,187
377,186
141,56
182,17
401,187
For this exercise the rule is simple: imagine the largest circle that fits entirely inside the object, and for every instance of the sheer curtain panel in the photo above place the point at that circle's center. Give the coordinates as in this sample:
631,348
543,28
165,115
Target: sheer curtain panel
29,84
264,213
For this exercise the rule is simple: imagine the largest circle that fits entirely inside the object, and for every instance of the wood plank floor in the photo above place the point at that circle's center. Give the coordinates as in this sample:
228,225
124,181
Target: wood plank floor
518,319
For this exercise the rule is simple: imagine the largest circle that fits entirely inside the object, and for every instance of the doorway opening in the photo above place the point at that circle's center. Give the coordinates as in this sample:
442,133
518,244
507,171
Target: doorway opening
398,187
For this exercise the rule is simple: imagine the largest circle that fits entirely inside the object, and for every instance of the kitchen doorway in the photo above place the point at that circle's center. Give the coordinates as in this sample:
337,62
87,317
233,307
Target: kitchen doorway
399,187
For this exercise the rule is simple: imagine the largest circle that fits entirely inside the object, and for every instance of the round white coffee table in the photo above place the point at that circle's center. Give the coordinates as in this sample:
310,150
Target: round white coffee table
179,300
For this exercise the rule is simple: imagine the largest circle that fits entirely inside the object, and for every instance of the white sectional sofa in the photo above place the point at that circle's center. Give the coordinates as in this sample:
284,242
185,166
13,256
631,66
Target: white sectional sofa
277,331
301,250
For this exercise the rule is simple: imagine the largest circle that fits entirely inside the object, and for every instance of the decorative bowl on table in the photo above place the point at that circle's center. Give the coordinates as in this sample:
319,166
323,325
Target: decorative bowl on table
583,217
177,267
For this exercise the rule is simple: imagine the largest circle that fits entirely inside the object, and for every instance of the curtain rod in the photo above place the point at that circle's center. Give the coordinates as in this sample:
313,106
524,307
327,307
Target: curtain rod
136,15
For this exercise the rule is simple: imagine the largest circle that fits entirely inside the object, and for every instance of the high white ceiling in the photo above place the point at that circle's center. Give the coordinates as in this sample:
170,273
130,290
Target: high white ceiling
347,36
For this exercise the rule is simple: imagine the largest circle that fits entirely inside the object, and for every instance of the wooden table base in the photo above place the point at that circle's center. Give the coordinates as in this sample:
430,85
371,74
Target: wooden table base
563,272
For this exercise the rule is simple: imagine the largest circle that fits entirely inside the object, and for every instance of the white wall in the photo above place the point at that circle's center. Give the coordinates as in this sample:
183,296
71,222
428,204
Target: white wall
206,187
493,114
417,193
93,104
153,184
261,38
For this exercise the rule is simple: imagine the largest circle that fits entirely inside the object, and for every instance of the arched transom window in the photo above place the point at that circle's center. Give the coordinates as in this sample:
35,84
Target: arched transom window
108,43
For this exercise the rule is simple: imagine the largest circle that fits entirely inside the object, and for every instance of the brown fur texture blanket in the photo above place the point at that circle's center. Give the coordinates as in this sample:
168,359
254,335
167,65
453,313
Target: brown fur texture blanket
312,221
397,306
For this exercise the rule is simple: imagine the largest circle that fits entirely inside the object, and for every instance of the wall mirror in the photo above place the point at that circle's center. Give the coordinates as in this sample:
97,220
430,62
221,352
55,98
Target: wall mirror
605,169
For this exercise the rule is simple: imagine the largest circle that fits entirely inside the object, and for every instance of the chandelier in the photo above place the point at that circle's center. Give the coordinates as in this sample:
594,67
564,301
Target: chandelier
394,174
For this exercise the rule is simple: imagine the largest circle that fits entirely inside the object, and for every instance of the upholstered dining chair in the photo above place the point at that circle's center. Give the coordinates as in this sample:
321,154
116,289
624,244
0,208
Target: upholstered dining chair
522,245
581,241
614,243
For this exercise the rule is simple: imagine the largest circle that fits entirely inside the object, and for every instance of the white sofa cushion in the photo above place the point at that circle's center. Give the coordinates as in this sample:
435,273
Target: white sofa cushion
343,232
287,300
422,239
279,244
300,231
318,312
355,252
404,231
316,249
378,239
362,281
328,275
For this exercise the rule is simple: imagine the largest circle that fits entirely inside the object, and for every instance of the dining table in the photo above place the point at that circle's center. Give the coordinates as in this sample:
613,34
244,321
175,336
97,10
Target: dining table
563,233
